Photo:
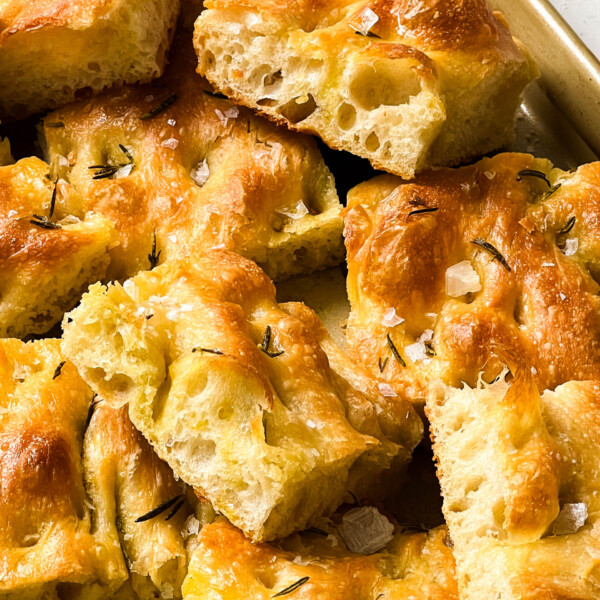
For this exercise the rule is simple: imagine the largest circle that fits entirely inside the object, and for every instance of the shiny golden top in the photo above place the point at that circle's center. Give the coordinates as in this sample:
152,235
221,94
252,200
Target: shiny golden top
227,566
533,240
247,400
46,534
519,473
197,171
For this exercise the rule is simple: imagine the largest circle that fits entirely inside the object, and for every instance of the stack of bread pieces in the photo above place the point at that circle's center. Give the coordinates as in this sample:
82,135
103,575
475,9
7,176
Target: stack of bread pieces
169,428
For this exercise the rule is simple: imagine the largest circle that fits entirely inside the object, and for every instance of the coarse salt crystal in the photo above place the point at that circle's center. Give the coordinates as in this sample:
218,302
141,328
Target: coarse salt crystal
365,530
296,212
571,246
201,173
12,213
386,390
124,171
571,518
562,296
418,351
390,318
461,279
489,174
63,161
172,122
368,18
190,527
171,143
548,264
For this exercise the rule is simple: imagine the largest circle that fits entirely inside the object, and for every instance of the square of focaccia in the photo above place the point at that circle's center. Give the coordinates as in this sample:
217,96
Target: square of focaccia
519,475
193,171
227,566
51,51
405,84
47,538
46,263
248,401
503,253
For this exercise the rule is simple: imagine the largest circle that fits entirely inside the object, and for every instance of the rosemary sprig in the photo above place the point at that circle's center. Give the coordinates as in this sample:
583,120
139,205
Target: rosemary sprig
91,410
58,370
154,257
368,34
108,171
554,189
534,173
316,531
382,363
215,95
291,588
266,343
175,510
161,508
53,199
356,500
493,251
43,222
421,211
567,228
56,124
417,201
395,351
159,107
429,351
210,350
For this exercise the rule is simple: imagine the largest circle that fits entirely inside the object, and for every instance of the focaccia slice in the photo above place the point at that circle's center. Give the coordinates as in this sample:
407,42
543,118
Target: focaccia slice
407,85
50,251
52,51
126,481
519,475
178,171
441,270
75,475
247,400
316,564
47,538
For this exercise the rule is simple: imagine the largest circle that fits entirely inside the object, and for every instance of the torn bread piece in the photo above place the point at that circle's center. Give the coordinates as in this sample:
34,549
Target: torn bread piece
76,477
179,170
406,85
50,251
48,541
248,401
506,251
52,51
128,486
317,564
519,475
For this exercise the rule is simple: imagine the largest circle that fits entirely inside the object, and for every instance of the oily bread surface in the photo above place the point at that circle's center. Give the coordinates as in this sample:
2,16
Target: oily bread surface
420,85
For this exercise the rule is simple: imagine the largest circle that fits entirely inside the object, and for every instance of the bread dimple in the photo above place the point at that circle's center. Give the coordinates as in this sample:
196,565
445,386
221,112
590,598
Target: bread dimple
406,85
92,45
206,174
238,394
545,308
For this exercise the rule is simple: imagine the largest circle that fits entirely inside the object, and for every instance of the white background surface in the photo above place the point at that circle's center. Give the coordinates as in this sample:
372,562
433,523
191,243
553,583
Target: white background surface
584,17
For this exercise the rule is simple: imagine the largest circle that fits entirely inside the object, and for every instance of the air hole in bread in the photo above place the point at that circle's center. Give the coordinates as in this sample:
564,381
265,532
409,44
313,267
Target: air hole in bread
209,57
372,142
299,108
519,312
267,102
498,512
473,485
225,413
346,116
458,506
272,81
69,591
383,83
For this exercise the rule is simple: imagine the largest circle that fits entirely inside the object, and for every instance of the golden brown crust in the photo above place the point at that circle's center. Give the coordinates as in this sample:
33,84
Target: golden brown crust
457,61
227,566
53,51
545,309
125,480
265,193
510,463
271,436
44,271
46,535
